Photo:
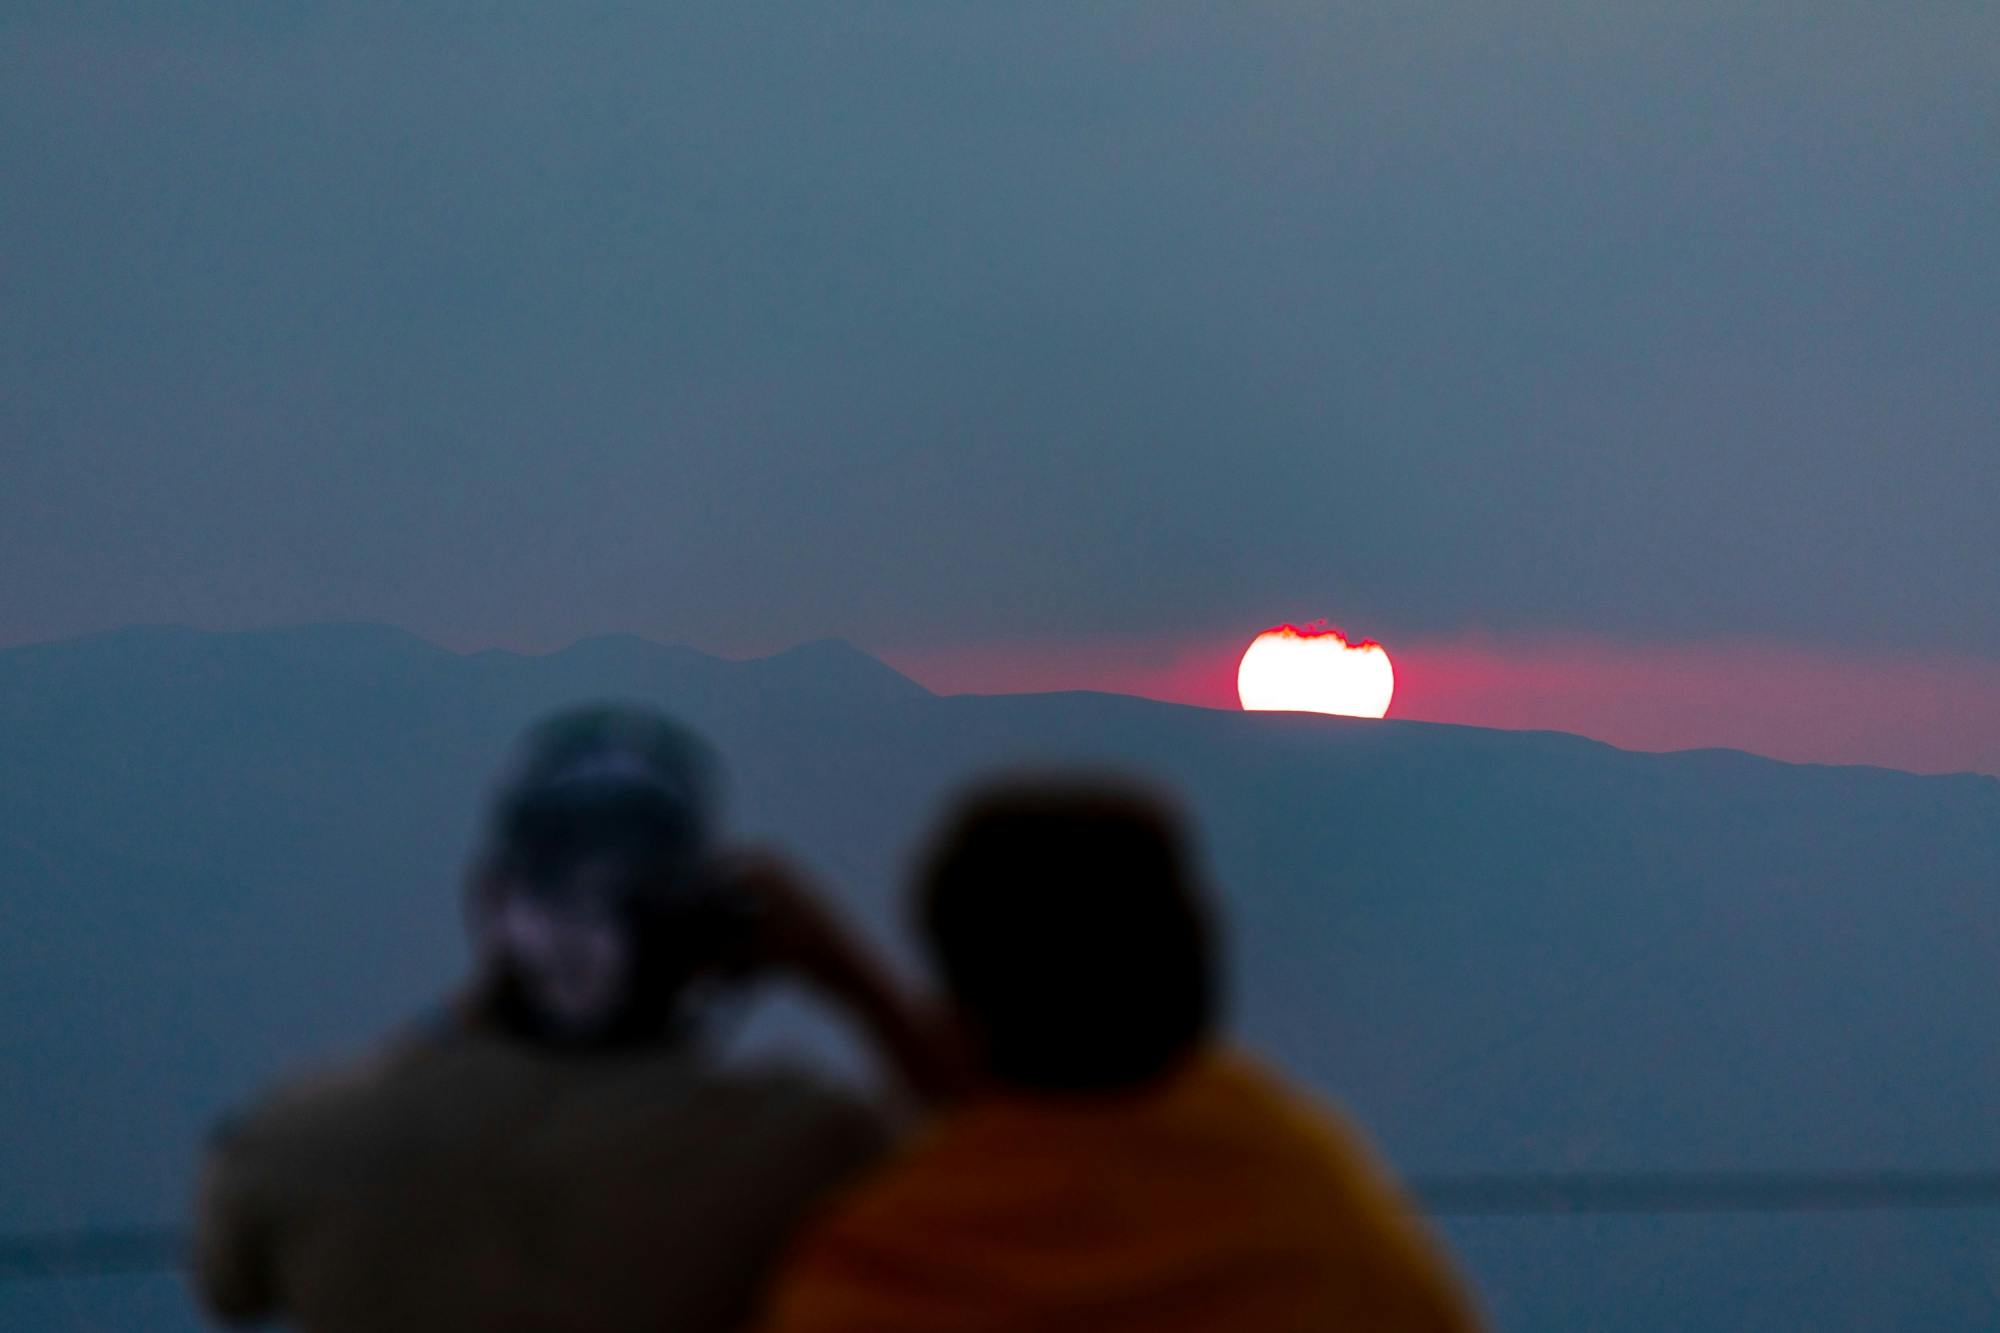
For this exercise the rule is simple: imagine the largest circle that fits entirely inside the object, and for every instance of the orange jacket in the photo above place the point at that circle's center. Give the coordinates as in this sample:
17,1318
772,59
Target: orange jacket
1220,1200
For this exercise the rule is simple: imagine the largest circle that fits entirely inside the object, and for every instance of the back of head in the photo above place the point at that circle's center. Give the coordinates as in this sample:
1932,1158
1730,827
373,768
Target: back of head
594,901
1071,933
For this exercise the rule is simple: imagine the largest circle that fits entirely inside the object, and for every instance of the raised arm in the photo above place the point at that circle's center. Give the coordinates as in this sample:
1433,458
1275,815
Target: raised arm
798,935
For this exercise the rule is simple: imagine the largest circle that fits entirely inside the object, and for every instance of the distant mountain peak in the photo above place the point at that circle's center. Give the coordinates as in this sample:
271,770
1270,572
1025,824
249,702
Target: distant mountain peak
630,648
821,662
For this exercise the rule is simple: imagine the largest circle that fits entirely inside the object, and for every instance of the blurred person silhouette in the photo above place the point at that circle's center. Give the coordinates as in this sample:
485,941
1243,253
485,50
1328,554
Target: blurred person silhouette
1119,1166
565,1149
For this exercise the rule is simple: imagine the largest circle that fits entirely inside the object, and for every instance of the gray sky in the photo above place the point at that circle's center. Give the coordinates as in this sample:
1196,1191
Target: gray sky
745,323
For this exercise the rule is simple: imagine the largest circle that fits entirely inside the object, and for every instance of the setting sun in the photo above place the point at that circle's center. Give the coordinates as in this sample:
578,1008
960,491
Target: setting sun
1315,670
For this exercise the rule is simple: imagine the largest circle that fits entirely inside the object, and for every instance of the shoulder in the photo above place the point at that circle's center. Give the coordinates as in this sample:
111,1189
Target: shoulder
311,1104
260,1162
1293,1135
1290,1109
1339,1188
953,1173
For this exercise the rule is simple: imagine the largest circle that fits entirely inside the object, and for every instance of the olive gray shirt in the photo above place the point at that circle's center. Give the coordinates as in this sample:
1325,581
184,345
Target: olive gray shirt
477,1183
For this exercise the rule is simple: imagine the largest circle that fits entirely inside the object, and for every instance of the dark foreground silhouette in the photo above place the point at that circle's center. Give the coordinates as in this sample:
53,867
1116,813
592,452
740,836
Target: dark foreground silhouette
1117,1168
562,1150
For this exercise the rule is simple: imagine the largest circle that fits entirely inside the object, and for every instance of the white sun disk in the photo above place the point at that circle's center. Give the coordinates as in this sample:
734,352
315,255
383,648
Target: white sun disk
1315,671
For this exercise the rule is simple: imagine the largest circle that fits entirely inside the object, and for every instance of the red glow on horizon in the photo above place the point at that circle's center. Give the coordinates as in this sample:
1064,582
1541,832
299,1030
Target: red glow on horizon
1805,705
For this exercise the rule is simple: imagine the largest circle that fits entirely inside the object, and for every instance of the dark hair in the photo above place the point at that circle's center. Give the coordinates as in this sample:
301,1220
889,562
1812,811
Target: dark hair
602,778
1069,929
626,787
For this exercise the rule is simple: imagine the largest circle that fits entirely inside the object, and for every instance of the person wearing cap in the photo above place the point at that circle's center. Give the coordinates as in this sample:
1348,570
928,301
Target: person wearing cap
564,1149
1118,1167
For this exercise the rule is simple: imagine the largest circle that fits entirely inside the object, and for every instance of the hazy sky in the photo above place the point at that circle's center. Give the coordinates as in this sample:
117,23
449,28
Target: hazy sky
1046,326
